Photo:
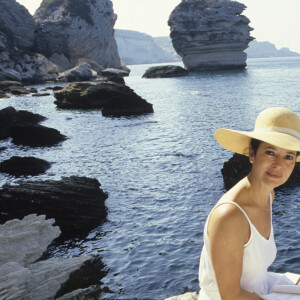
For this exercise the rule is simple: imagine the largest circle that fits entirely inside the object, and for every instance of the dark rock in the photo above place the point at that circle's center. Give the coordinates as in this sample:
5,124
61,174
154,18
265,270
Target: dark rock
3,95
53,88
33,90
19,91
40,95
35,135
165,72
116,79
6,85
3,148
113,98
238,166
24,166
76,203
9,117
114,72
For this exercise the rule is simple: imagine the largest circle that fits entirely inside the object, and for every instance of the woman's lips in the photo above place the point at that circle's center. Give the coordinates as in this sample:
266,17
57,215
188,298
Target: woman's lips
274,175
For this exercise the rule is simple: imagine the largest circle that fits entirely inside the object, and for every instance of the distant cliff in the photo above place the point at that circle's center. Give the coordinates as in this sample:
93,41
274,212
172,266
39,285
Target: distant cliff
210,34
140,48
71,29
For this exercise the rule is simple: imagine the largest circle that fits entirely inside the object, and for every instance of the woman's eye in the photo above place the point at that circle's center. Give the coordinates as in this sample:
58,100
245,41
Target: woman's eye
271,153
289,157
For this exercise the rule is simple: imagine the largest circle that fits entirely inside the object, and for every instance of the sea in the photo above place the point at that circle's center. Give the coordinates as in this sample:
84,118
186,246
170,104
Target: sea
162,171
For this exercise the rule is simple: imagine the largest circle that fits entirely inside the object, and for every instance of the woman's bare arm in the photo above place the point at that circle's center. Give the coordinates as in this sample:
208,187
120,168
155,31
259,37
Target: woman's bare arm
228,230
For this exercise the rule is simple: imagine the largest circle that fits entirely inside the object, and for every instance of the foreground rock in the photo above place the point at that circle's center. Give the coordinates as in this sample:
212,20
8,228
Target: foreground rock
22,242
165,72
71,30
113,98
35,135
9,117
210,34
238,166
76,203
24,166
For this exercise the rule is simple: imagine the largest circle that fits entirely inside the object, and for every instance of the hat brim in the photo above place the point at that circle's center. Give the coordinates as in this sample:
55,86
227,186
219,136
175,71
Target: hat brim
239,141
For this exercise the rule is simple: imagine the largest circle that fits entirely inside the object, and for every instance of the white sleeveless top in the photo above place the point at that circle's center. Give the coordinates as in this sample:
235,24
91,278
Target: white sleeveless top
259,254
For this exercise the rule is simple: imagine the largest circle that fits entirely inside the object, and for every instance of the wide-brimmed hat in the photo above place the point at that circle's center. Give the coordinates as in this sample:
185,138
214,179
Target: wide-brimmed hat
277,126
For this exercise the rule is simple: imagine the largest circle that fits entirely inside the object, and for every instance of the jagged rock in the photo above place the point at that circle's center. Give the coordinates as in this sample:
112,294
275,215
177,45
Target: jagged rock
83,72
165,72
35,135
238,166
44,280
16,25
24,241
210,34
78,29
113,98
24,166
10,117
76,203
114,72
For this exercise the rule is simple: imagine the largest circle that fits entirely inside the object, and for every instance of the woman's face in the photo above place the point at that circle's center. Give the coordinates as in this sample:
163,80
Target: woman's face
272,165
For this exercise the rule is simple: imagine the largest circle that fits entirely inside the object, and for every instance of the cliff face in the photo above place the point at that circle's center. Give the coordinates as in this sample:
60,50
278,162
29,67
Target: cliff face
140,48
210,34
17,40
16,26
71,29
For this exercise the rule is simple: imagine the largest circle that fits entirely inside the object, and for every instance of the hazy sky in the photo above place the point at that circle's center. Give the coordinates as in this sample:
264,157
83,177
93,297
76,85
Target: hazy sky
276,21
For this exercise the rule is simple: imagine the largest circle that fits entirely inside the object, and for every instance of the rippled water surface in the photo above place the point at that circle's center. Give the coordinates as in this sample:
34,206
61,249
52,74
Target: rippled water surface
162,171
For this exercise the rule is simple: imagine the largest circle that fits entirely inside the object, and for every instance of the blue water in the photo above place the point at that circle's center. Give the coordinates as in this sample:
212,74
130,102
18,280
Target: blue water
162,171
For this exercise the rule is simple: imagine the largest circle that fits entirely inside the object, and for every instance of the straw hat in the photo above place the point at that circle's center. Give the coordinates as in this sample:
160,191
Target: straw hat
277,126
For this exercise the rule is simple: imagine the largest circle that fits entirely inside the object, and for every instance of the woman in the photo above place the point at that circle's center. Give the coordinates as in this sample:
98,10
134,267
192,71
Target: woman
238,234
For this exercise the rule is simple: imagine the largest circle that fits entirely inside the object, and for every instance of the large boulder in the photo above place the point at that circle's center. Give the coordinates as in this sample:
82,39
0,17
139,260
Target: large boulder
24,166
10,117
238,166
76,203
35,135
210,34
82,72
22,243
113,98
77,29
165,72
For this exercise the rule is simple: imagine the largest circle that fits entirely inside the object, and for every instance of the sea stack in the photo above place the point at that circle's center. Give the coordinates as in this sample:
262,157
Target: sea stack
210,34
70,30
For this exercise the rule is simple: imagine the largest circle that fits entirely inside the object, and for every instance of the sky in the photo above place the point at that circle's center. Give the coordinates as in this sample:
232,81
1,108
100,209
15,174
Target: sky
275,21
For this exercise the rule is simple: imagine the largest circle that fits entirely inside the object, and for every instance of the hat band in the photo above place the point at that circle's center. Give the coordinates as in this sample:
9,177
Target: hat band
291,132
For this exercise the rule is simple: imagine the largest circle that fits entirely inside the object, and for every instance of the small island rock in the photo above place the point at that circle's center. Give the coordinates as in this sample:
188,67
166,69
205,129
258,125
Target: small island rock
165,72
113,98
210,34
24,166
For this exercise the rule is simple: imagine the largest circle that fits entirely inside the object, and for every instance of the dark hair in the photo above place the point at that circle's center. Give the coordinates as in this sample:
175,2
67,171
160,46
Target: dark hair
254,144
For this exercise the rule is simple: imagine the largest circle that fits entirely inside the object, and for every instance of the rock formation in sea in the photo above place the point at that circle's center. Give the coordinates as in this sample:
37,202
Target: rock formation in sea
70,30
166,71
22,243
76,203
210,34
114,99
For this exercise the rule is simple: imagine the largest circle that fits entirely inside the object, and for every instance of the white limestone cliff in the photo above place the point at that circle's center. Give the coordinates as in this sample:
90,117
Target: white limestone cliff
210,34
